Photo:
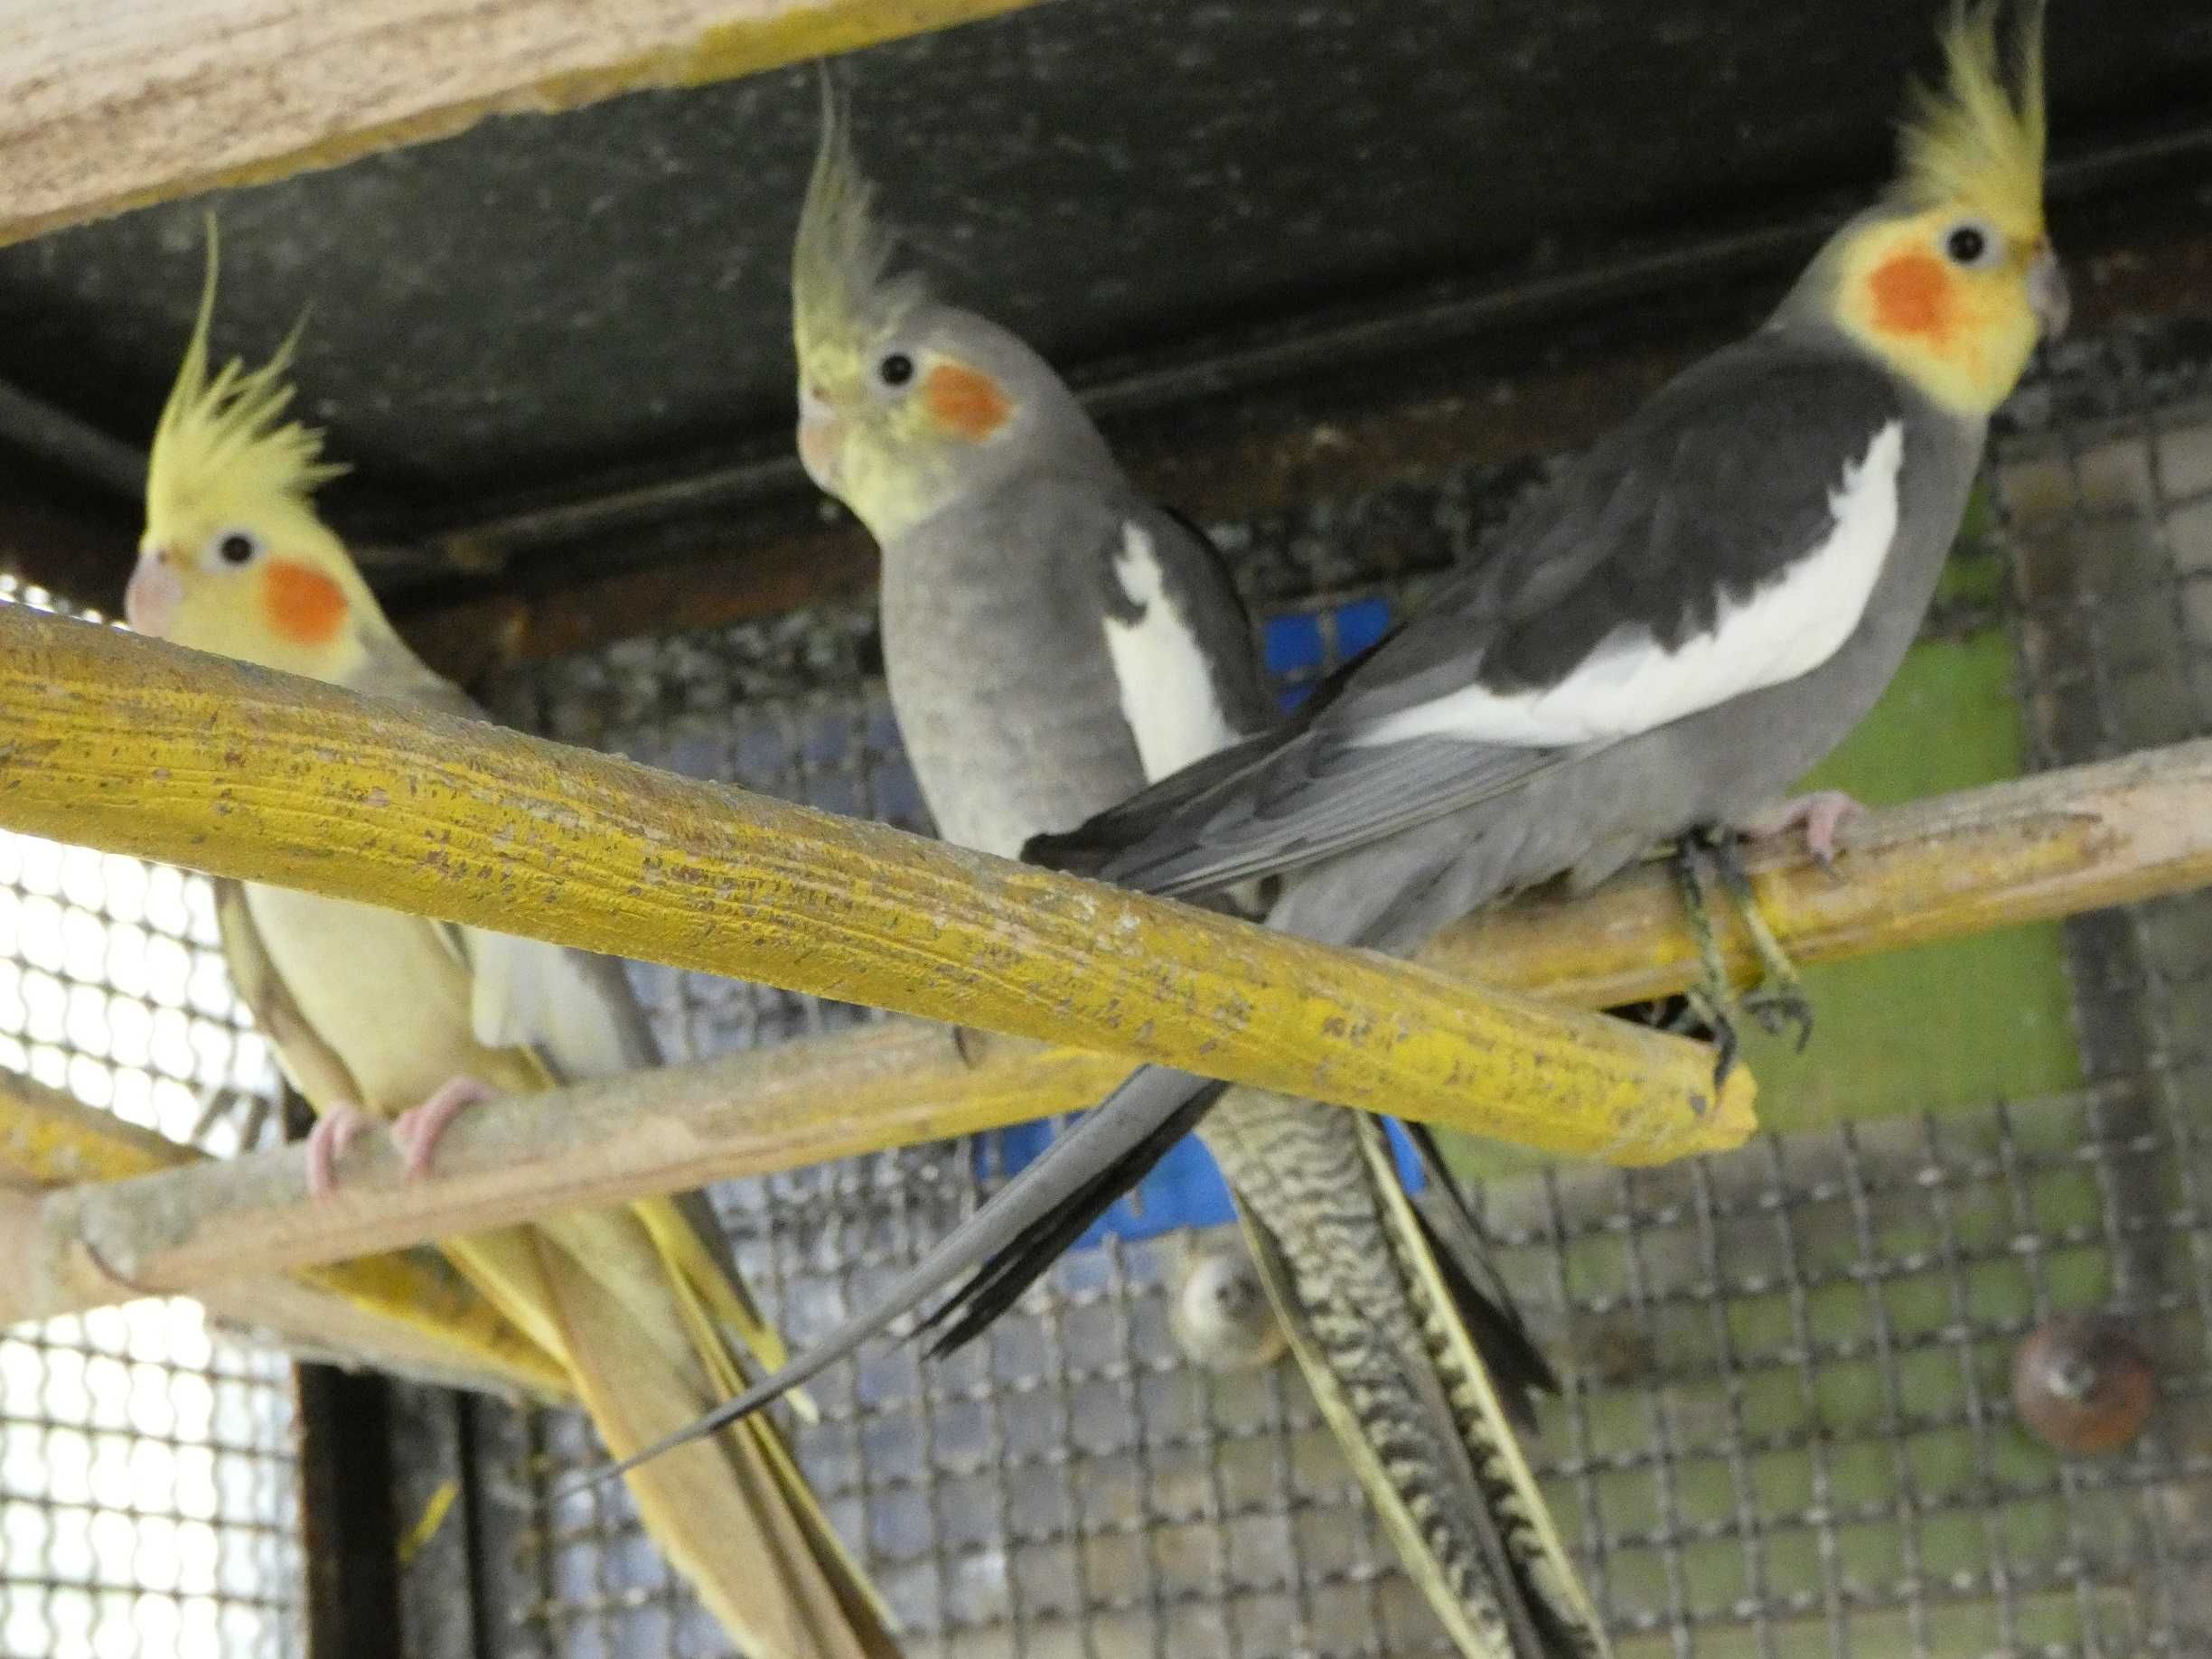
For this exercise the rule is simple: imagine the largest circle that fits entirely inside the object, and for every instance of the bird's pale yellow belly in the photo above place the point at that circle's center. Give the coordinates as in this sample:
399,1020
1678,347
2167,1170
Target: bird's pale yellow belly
384,991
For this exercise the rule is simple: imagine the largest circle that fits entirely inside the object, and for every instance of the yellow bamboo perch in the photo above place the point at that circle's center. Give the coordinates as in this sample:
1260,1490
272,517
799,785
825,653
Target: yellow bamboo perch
106,106
133,746
2054,845
2045,847
406,1312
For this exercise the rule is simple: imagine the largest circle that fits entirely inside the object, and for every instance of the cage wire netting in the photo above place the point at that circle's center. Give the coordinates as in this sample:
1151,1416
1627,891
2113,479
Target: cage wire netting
147,1493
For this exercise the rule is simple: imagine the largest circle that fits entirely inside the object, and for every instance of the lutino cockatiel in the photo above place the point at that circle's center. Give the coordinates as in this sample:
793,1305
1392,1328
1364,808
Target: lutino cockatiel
1053,641
374,1012
1663,641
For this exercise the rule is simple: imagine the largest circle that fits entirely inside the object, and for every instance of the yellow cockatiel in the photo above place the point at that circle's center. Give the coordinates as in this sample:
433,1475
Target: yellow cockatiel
404,1020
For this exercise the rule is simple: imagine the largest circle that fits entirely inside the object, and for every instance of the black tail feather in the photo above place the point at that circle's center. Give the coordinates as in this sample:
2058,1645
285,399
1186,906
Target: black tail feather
1113,1144
999,1283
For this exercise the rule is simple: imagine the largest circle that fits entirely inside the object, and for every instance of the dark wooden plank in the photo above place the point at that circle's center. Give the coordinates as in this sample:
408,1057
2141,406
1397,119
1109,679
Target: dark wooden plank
349,1535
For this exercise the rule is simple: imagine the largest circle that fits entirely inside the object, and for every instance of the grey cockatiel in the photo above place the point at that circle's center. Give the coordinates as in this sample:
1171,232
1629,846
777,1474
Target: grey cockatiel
1697,612
377,1015
1053,641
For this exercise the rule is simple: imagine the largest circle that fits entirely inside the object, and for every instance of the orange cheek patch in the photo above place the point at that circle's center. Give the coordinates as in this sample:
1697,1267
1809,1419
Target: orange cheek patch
964,401
304,604
1912,295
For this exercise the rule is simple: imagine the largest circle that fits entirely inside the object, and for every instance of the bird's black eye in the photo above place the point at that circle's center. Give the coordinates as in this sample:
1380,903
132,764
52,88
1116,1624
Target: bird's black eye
1966,244
236,548
895,369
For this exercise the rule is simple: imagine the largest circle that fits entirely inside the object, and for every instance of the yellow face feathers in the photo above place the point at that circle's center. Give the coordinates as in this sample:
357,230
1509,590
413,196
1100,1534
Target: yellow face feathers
1953,280
1979,142
234,559
894,400
223,446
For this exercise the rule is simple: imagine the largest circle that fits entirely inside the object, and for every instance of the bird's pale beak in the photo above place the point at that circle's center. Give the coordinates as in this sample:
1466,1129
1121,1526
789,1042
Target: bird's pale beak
2047,296
822,437
155,590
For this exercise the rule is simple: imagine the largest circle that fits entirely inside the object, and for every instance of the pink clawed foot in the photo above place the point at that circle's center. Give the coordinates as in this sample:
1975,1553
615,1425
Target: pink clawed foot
1820,815
418,1129
333,1132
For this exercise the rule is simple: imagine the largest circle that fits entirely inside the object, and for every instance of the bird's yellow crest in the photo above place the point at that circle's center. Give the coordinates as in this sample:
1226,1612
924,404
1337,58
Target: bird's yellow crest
223,439
842,291
1979,140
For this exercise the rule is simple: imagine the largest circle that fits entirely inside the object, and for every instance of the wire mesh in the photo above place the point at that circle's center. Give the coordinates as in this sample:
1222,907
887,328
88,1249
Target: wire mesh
147,1492
1787,1425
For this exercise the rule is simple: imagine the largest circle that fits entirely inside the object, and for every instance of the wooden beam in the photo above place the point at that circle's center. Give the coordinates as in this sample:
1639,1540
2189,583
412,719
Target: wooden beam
468,639
1270,457
2044,847
349,1534
404,1313
131,745
106,106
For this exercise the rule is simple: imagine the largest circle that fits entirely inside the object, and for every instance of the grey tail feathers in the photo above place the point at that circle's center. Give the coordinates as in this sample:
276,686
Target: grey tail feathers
1019,1263
1014,1238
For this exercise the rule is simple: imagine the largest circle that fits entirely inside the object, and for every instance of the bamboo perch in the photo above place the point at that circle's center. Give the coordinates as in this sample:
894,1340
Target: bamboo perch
2045,847
106,106
2054,845
132,745
400,1313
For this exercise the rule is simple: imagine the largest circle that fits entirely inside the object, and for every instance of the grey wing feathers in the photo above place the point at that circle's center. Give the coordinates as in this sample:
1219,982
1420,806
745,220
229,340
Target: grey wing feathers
1271,807
578,1010
1719,483
1091,846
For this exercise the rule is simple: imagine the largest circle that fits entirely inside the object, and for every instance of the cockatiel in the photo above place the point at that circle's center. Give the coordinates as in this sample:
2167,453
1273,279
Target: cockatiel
1052,642
1699,609
373,1011
1663,641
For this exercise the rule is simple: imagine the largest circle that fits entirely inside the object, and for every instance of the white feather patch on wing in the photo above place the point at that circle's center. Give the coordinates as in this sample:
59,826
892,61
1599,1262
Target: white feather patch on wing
572,1008
1166,686
1631,684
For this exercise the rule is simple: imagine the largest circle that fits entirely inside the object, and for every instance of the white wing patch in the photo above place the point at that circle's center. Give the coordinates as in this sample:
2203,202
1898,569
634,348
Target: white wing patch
1631,684
1167,686
528,994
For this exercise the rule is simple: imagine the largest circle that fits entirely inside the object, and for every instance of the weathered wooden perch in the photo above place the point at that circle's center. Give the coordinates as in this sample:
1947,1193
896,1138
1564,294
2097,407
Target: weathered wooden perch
106,106
407,1313
2054,845
135,747
2045,847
